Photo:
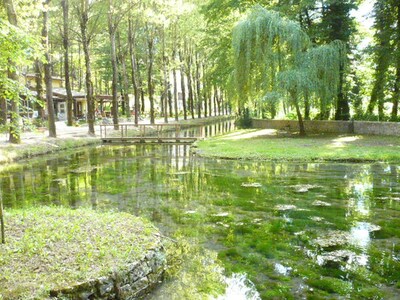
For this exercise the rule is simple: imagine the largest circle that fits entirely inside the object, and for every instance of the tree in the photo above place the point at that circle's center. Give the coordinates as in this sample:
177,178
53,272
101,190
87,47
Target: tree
47,72
83,12
396,89
15,135
382,54
66,42
262,41
336,24
135,74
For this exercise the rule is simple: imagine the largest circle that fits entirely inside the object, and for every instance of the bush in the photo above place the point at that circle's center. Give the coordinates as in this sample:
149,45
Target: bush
244,120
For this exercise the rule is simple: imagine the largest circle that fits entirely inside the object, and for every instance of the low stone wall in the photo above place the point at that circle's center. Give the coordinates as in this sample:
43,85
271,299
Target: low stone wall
135,282
377,128
341,127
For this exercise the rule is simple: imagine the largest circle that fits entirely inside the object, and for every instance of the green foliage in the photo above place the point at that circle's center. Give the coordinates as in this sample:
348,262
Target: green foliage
274,54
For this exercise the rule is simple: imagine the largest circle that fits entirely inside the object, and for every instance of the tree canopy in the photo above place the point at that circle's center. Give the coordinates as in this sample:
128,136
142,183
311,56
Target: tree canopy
189,58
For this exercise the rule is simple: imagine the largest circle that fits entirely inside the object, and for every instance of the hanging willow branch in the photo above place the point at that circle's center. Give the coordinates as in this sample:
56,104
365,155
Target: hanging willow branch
268,46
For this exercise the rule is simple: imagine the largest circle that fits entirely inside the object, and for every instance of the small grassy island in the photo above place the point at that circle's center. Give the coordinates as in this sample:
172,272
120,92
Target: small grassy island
54,251
268,144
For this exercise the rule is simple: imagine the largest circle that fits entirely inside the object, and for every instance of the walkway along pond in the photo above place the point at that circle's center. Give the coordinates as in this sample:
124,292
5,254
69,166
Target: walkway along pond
296,230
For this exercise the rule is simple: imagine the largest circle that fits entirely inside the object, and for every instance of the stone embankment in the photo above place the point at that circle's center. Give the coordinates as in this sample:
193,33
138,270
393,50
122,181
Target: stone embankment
135,282
337,127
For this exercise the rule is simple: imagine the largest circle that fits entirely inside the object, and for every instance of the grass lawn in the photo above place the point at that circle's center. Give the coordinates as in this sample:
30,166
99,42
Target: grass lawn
50,248
268,144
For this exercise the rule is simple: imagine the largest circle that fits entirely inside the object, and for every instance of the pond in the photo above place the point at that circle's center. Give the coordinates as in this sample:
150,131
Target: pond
295,230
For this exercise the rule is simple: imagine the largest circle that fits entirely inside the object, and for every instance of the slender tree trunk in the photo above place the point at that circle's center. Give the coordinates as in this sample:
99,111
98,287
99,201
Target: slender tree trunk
307,106
198,88
183,86
3,108
294,99
124,77
70,100
205,92
39,88
171,111
150,46
112,34
215,100
342,106
190,88
84,18
15,130
47,73
176,113
165,75
134,67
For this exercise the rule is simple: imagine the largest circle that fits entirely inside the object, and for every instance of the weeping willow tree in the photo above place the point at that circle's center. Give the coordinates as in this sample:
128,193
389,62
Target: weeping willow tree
273,55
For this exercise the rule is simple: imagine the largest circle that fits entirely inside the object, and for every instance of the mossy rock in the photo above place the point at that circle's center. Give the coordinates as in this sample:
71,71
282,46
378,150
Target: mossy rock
53,248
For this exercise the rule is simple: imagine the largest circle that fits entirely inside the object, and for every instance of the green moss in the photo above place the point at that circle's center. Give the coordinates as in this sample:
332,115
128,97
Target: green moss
50,248
372,293
331,285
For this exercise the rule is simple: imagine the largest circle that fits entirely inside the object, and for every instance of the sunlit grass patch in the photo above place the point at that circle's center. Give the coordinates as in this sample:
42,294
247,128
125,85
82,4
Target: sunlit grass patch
51,248
266,145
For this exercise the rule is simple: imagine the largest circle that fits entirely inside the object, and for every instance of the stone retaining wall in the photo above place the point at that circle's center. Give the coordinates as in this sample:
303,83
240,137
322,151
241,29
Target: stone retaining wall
135,282
351,127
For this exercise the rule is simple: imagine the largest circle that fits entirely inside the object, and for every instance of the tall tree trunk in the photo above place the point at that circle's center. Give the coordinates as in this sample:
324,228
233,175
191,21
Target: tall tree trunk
3,108
84,18
70,100
124,78
342,106
294,99
190,87
150,46
112,34
176,113
205,91
198,88
134,67
183,86
15,130
39,88
307,106
215,100
47,73
165,75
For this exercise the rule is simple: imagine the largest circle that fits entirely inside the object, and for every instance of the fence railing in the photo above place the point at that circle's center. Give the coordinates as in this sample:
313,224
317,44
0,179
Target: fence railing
126,131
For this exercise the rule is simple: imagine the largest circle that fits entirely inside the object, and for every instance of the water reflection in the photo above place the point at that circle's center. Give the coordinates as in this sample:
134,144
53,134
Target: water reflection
232,208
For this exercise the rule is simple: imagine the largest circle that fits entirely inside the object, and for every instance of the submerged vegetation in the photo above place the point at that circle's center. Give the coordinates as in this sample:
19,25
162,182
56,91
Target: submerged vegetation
268,220
49,248
267,144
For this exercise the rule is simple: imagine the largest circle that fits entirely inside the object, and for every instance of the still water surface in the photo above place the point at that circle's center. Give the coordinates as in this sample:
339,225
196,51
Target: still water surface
296,230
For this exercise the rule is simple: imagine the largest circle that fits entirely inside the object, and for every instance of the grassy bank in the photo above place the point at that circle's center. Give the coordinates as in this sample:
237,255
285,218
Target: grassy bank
267,144
12,152
51,248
